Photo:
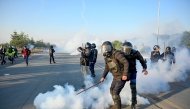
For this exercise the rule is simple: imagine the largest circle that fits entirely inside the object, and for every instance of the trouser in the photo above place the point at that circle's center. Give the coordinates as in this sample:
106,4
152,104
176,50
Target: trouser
26,58
15,55
51,58
154,65
2,58
91,67
133,87
85,70
11,58
115,89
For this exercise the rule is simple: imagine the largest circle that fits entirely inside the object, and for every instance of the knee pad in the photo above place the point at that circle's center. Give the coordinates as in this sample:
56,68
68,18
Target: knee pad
116,97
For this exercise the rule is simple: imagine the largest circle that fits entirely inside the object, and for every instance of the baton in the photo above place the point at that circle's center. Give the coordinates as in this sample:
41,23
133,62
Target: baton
89,87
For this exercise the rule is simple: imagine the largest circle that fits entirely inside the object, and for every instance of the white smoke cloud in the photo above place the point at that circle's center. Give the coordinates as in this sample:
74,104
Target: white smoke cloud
30,46
155,82
98,97
78,40
95,98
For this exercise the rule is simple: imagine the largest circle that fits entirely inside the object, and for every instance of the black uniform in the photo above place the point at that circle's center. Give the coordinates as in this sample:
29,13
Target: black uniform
155,56
94,53
132,55
116,63
173,50
2,55
51,52
16,52
170,57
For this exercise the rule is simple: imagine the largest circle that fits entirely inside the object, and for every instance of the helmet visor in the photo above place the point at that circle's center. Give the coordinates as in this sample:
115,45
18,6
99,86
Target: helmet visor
126,49
106,48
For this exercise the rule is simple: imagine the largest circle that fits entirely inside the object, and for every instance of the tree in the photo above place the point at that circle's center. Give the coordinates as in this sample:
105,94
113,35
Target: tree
31,41
19,40
185,41
6,45
117,44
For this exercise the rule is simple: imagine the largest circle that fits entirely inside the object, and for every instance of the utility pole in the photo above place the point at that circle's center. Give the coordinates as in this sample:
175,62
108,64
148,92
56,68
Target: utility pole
158,20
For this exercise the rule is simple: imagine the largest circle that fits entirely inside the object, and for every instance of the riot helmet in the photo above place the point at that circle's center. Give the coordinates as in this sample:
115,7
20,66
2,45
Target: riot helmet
80,49
87,45
93,45
168,49
156,47
107,47
126,48
173,48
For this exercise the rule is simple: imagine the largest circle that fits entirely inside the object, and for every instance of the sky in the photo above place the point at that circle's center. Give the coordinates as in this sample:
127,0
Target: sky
60,20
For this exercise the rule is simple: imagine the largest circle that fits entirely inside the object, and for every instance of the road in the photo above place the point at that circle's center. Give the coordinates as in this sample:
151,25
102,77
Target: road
20,84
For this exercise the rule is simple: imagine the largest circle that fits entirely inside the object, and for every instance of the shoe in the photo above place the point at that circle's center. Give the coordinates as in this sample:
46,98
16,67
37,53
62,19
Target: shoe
1,63
50,63
4,62
54,62
26,64
133,106
93,75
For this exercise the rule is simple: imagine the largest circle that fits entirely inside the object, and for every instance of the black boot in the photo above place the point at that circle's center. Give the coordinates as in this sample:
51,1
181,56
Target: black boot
117,101
133,106
134,95
92,72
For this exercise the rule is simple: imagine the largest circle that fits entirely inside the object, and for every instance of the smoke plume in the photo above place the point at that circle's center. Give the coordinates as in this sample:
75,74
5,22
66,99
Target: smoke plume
157,80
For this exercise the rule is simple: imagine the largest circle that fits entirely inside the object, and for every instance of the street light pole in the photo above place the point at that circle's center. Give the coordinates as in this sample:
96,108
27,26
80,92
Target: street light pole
158,19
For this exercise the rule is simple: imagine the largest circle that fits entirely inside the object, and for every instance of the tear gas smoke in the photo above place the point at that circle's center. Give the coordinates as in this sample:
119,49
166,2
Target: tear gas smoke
30,46
78,40
98,97
95,98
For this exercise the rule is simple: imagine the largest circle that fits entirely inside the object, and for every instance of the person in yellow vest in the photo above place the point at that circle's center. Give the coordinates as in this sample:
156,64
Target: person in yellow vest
10,53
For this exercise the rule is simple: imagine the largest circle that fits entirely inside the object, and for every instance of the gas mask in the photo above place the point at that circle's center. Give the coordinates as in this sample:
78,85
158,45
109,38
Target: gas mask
106,50
87,51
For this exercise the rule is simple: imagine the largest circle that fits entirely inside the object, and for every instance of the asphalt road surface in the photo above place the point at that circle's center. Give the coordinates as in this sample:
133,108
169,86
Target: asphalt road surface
20,84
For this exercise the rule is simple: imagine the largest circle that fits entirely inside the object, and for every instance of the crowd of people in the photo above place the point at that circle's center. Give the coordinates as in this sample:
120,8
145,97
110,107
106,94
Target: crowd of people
12,53
167,56
122,65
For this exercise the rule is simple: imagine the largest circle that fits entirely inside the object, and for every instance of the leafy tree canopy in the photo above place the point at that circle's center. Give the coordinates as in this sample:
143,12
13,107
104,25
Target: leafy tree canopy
117,44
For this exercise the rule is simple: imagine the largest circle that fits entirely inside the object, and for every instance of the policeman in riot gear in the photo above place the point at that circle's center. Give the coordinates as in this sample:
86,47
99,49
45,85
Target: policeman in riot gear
168,56
132,55
85,58
173,50
155,56
51,54
94,53
117,64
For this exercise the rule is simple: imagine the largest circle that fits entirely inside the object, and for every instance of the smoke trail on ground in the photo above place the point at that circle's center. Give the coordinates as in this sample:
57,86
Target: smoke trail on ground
96,98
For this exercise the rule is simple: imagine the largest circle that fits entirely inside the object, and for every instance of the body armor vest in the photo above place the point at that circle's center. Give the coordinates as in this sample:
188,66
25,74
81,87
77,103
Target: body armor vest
113,65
